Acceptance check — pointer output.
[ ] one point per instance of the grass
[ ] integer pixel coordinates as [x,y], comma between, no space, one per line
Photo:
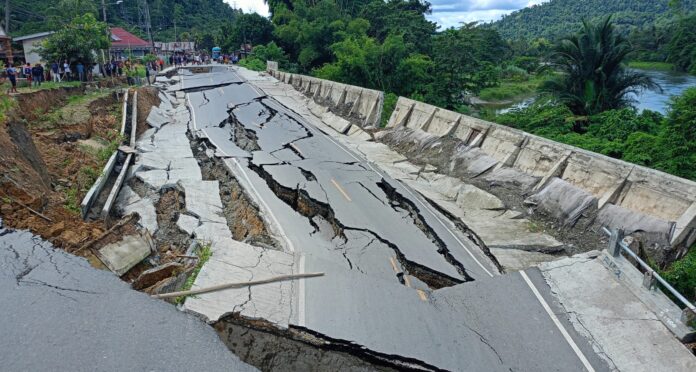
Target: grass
[511,89]
[44,85]
[203,254]
[647,65]
[6,103]
[71,202]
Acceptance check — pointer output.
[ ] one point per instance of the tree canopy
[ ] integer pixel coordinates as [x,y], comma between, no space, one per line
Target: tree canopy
[77,41]
[593,77]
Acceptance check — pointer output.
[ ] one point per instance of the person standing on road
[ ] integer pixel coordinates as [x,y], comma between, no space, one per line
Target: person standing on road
[26,71]
[12,75]
[55,72]
[81,71]
[147,72]
[66,70]
[37,73]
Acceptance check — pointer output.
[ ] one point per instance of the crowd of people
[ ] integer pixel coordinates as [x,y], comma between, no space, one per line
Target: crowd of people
[135,71]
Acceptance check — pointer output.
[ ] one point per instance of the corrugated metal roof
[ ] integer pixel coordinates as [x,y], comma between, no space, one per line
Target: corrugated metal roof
[33,36]
[125,39]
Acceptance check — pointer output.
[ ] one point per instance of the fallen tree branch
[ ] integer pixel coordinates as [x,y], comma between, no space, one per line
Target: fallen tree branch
[220,287]
[28,208]
[120,224]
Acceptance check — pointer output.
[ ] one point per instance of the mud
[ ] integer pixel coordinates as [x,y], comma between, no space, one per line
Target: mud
[147,99]
[295,349]
[169,239]
[242,214]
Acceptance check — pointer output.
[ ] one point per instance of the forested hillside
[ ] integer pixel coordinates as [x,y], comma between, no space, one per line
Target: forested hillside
[558,18]
[29,16]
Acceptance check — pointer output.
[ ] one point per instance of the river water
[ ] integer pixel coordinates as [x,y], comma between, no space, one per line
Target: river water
[672,83]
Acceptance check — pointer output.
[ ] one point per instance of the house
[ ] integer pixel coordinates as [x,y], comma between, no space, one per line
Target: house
[30,44]
[124,44]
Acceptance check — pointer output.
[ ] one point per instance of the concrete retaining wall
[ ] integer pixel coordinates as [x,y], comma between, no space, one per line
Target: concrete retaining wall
[360,106]
[641,190]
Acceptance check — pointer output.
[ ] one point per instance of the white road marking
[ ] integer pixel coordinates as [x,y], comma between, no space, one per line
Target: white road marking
[419,202]
[558,324]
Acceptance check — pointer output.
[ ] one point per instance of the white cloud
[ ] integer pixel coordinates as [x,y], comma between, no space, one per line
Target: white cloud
[250,6]
[451,13]
[447,13]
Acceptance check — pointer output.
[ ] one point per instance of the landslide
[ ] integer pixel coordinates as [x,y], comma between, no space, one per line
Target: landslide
[53,145]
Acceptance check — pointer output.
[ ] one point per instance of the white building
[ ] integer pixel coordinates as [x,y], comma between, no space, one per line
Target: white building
[30,44]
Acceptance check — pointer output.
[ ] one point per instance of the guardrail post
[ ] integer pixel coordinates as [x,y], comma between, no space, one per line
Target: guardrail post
[649,280]
[614,239]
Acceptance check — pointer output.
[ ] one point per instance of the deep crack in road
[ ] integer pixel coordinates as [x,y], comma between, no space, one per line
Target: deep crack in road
[403,285]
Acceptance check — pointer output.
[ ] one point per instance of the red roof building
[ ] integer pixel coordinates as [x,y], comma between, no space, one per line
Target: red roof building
[123,41]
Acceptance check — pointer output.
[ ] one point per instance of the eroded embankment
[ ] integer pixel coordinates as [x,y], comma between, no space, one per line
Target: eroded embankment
[52,148]
[450,156]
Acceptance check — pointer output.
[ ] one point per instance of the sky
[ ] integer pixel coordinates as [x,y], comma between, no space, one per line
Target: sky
[447,13]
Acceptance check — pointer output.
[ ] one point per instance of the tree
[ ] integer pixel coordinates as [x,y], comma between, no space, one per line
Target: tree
[247,28]
[679,137]
[77,41]
[682,47]
[593,77]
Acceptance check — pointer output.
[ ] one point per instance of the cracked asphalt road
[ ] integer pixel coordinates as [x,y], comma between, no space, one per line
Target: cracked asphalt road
[60,314]
[402,283]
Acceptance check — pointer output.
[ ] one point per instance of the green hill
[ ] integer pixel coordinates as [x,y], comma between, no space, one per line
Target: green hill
[30,16]
[557,18]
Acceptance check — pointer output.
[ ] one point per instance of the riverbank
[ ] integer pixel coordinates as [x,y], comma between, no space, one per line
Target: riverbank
[510,90]
[650,65]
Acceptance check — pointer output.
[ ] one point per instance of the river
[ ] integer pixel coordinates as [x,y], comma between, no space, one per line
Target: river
[672,83]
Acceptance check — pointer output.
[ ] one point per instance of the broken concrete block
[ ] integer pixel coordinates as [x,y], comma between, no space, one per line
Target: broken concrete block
[150,277]
[187,223]
[336,122]
[157,118]
[121,256]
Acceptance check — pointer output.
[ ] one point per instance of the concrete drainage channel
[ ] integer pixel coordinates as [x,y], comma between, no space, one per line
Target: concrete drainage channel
[100,198]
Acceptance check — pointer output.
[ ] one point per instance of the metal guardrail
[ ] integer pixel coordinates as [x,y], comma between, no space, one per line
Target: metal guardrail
[650,277]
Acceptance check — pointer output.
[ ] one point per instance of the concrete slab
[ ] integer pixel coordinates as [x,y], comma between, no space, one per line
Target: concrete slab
[187,223]
[626,333]
[234,261]
[128,202]
[121,256]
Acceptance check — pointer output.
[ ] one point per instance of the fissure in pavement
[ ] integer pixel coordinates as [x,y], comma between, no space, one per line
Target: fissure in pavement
[242,214]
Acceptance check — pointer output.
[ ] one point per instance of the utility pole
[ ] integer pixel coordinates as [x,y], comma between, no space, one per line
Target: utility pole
[104,9]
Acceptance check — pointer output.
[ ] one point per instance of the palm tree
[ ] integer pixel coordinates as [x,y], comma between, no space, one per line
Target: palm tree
[593,77]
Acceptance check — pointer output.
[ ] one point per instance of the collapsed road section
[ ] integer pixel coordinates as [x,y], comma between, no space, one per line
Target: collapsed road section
[61,314]
[403,287]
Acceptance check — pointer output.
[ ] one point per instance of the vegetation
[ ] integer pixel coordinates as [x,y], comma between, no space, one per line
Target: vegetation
[557,18]
[651,65]
[511,88]
[204,253]
[197,18]
[593,77]
[682,275]
[666,143]
[76,41]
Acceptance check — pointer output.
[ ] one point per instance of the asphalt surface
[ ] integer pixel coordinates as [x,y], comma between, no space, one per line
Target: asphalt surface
[401,282]
[60,314]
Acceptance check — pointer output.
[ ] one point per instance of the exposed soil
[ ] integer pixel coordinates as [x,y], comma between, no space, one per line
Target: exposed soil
[242,214]
[295,349]
[50,156]
[147,99]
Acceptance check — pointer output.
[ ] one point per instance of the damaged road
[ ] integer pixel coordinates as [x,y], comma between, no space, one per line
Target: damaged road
[61,314]
[403,287]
